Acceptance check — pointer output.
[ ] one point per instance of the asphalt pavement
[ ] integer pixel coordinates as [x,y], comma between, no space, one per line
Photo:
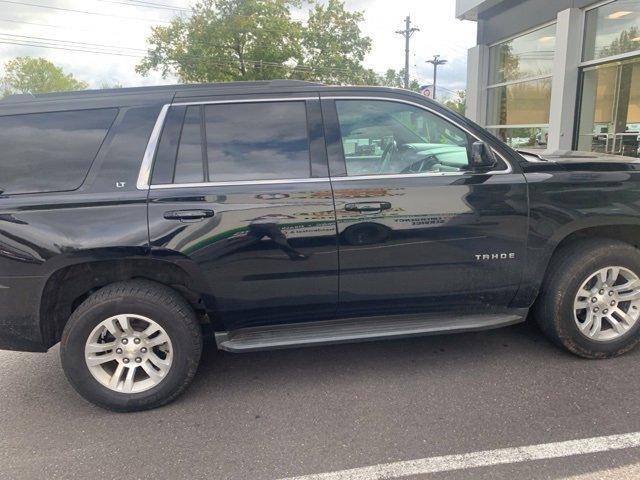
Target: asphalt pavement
[294,413]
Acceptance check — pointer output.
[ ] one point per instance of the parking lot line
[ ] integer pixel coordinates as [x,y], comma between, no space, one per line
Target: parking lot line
[482,459]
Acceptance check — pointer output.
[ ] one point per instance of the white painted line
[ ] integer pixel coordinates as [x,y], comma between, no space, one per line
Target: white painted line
[482,459]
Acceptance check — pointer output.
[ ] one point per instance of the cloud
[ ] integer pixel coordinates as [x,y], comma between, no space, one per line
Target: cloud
[127,28]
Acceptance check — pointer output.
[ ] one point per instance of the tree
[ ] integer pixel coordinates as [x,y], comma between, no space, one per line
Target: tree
[37,75]
[226,40]
[395,78]
[626,42]
[457,103]
[334,47]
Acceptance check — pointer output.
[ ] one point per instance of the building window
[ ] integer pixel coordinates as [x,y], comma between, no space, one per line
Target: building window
[610,108]
[612,29]
[519,94]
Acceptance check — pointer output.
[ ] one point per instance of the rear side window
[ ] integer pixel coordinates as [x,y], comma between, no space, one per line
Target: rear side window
[50,152]
[257,141]
[234,142]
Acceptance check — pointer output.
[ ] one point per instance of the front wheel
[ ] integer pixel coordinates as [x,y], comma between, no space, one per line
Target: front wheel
[131,346]
[590,302]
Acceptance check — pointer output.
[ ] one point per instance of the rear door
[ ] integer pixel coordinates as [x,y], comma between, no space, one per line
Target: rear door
[418,230]
[241,188]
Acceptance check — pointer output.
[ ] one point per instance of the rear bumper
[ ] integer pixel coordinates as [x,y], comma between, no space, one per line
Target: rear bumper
[19,314]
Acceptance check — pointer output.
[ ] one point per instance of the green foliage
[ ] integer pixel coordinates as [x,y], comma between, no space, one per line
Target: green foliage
[110,86]
[457,103]
[394,78]
[333,45]
[225,40]
[37,75]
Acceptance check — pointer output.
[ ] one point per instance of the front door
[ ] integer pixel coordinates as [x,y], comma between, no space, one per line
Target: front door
[240,190]
[418,230]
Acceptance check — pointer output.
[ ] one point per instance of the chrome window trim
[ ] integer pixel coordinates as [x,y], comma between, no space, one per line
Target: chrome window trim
[239,183]
[509,168]
[144,176]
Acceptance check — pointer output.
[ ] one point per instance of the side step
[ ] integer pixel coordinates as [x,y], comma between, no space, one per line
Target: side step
[359,330]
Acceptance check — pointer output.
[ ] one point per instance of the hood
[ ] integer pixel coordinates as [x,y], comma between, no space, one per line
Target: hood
[572,156]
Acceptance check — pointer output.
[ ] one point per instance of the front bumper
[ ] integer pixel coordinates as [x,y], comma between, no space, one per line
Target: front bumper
[19,314]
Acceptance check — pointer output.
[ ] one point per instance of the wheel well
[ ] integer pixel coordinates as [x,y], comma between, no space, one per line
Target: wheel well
[625,233]
[68,287]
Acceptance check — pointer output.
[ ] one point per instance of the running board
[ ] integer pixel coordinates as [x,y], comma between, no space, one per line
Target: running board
[359,330]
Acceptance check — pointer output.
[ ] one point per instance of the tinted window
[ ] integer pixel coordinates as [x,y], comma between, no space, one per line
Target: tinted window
[257,141]
[165,161]
[189,162]
[46,152]
[382,138]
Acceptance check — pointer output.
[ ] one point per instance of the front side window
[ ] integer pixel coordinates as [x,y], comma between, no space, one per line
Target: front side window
[519,92]
[382,138]
[50,152]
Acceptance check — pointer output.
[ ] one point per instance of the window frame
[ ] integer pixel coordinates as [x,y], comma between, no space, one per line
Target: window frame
[583,40]
[335,147]
[315,134]
[533,78]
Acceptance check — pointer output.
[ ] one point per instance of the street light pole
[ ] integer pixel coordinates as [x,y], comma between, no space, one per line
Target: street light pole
[435,62]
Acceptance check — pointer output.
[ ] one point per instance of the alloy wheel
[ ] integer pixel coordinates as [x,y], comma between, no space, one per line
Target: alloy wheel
[607,304]
[129,353]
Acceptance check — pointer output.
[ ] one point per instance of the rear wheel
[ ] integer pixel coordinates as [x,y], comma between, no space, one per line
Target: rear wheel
[590,302]
[131,346]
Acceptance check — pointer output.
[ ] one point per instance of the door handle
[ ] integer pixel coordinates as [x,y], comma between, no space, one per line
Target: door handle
[188,215]
[367,206]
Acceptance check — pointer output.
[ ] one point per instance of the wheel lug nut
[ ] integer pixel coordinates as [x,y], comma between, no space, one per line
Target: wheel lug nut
[594,300]
[613,302]
[125,360]
[601,292]
[605,311]
[596,309]
[119,351]
[136,341]
[143,350]
[611,293]
[138,359]
[125,341]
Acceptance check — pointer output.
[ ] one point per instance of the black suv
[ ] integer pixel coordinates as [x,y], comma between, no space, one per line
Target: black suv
[136,222]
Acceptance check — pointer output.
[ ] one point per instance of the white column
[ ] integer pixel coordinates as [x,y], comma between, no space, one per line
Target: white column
[564,88]
[477,76]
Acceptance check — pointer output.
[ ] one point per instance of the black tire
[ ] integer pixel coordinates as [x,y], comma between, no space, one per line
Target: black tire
[570,267]
[162,304]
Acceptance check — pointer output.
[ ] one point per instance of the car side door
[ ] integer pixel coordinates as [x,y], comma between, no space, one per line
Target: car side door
[240,189]
[419,230]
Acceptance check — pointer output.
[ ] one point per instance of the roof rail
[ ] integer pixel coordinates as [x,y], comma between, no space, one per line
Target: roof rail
[18,97]
[293,83]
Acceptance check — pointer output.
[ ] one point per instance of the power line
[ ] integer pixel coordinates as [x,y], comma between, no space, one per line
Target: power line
[54,40]
[158,6]
[86,12]
[80,47]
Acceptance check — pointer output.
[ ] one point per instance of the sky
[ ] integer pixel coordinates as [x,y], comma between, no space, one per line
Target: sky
[117,27]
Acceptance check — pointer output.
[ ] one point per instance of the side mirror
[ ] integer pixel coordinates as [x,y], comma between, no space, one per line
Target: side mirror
[482,157]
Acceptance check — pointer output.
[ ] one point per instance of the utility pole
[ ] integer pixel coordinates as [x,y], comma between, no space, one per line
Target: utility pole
[435,62]
[407,33]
